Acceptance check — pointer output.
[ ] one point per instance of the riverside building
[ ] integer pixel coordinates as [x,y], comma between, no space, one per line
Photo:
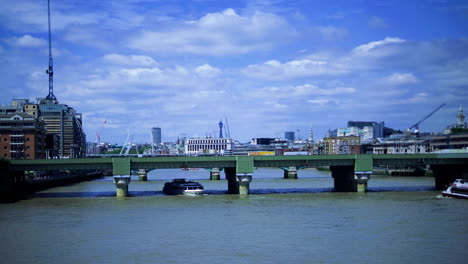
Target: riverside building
[342,145]
[64,135]
[208,146]
[65,124]
[22,136]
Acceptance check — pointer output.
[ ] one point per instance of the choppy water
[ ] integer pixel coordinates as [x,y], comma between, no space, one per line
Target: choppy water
[400,220]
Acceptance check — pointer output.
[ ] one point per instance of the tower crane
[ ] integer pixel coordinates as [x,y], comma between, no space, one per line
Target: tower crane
[50,70]
[416,126]
[98,133]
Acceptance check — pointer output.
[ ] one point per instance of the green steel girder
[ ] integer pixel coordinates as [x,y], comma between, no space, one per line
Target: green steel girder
[61,164]
[183,162]
[363,163]
[304,161]
[120,166]
[243,164]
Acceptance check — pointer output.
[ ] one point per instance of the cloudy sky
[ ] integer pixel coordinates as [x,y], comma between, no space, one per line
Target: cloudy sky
[267,66]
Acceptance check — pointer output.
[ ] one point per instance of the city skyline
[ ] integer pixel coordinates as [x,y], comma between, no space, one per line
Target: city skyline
[265,66]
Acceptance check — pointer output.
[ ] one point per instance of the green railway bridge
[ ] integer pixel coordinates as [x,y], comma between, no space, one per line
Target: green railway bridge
[350,172]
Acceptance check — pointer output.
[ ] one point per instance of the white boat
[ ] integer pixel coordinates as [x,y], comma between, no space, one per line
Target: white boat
[458,189]
[182,186]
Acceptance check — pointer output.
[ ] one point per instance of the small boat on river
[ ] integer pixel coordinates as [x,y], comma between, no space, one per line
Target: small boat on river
[182,186]
[458,189]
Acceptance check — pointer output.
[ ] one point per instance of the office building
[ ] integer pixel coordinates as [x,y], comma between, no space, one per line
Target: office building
[63,124]
[289,136]
[156,135]
[208,146]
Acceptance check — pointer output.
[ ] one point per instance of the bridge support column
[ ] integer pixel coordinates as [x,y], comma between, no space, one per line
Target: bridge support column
[142,174]
[344,178]
[121,183]
[290,172]
[215,174]
[233,186]
[361,178]
[444,175]
[244,179]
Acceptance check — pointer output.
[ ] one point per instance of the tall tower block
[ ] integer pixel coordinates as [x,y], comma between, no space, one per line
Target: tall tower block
[156,135]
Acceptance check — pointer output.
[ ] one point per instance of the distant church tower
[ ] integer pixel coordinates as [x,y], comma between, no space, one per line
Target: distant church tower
[460,117]
[461,124]
[220,129]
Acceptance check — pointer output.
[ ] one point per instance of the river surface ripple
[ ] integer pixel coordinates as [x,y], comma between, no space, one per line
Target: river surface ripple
[400,220]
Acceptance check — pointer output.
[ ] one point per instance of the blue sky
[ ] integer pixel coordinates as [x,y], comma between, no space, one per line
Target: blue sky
[266,66]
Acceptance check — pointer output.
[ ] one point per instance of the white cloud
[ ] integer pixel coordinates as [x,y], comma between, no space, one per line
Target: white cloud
[155,80]
[27,41]
[375,47]
[308,89]
[400,78]
[364,57]
[299,91]
[222,33]
[320,102]
[130,60]
[276,105]
[207,71]
[275,70]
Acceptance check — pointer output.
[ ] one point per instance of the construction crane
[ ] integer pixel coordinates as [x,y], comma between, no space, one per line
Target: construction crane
[98,133]
[416,126]
[50,70]
[226,129]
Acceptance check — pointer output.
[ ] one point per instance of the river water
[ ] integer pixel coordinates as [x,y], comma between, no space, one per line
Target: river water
[400,220]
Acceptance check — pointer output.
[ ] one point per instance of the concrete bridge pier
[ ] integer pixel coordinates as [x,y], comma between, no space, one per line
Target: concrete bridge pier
[444,175]
[121,183]
[361,178]
[233,186]
[243,180]
[348,180]
[215,174]
[143,174]
[344,178]
[290,172]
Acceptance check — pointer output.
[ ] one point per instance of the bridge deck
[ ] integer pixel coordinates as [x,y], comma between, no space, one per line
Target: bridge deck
[244,164]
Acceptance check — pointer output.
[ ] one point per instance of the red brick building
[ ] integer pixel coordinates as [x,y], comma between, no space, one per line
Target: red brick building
[22,136]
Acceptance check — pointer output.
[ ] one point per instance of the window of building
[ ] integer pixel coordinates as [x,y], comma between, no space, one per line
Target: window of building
[27,139]
[5,147]
[5,139]
[17,140]
[27,147]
